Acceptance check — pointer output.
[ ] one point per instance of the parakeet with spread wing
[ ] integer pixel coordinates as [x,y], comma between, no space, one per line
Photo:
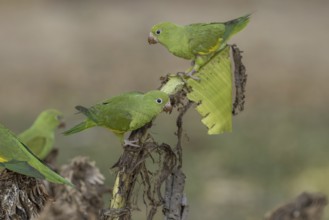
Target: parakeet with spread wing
[17,157]
[196,42]
[122,113]
[40,137]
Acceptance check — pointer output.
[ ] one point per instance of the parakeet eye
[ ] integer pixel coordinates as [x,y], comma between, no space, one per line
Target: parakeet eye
[158,32]
[158,100]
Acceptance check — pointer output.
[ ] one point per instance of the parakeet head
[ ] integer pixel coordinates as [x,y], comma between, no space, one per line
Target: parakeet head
[162,32]
[159,101]
[50,119]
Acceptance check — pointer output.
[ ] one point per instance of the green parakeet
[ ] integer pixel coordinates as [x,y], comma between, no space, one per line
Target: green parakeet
[40,137]
[122,113]
[15,156]
[196,42]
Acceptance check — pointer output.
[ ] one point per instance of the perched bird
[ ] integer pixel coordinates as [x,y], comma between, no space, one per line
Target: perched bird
[40,137]
[17,157]
[196,42]
[122,113]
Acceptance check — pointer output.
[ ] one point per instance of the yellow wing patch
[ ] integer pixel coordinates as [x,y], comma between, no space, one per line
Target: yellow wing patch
[214,48]
[3,160]
[116,131]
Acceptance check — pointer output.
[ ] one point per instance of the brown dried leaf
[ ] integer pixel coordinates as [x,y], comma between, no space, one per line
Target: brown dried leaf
[21,197]
[307,206]
[83,202]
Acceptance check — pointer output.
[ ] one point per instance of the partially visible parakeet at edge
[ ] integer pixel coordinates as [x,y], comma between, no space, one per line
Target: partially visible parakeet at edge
[122,113]
[197,42]
[17,157]
[40,137]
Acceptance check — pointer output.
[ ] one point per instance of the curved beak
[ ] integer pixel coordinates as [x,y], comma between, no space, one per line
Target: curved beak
[62,123]
[168,107]
[152,39]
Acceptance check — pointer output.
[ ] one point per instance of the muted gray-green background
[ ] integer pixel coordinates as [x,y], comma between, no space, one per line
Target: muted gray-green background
[62,53]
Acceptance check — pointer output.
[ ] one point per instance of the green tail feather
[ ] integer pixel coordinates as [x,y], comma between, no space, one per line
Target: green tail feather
[36,169]
[83,110]
[80,127]
[88,123]
[49,174]
[234,26]
[24,168]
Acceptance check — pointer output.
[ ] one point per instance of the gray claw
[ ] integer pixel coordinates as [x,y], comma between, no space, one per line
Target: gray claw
[130,143]
[190,74]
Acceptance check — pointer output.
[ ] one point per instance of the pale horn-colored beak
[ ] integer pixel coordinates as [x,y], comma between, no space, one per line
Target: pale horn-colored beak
[152,39]
[62,123]
[168,107]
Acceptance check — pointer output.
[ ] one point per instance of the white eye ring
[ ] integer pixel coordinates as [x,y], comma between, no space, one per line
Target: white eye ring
[158,100]
[158,32]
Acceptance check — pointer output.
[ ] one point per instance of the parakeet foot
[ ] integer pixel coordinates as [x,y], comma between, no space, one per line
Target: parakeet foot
[182,76]
[130,143]
[185,75]
[190,74]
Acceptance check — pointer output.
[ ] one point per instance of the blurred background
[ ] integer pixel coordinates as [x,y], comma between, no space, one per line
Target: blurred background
[57,54]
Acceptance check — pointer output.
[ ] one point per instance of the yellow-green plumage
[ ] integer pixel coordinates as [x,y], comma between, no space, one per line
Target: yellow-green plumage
[122,113]
[40,137]
[197,42]
[16,157]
